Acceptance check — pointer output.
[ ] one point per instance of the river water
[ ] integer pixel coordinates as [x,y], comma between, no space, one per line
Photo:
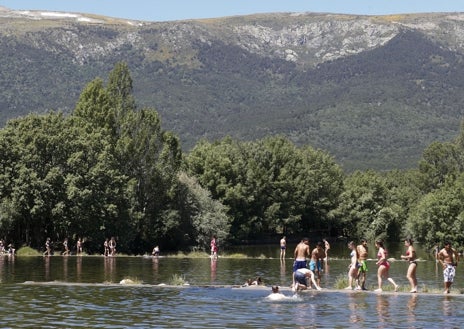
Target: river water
[85,292]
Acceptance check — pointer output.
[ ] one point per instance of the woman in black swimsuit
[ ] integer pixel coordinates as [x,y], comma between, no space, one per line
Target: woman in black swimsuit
[410,256]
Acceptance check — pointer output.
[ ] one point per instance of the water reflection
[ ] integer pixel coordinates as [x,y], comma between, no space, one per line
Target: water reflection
[155,263]
[447,306]
[382,307]
[65,268]
[282,270]
[412,304]
[304,314]
[47,268]
[110,269]
[86,304]
[326,266]
[79,268]
[355,306]
[213,269]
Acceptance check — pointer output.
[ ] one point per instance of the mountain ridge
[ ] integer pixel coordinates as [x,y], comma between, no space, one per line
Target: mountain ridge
[374,91]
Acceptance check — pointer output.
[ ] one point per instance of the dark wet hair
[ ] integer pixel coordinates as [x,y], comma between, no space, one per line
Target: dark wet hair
[275,289]
[409,240]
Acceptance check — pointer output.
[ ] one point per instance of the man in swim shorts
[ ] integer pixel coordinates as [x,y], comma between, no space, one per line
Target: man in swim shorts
[283,246]
[301,252]
[362,270]
[448,258]
[315,265]
[303,277]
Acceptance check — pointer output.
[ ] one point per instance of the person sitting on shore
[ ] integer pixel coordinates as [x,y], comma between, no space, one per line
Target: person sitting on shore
[257,282]
[247,283]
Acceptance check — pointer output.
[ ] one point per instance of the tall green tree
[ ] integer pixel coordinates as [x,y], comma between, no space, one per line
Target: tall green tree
[439,215]
[440,161]
[365,209]
[269,185]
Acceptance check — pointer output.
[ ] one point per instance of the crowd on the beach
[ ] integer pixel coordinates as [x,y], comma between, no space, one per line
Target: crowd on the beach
[307,275]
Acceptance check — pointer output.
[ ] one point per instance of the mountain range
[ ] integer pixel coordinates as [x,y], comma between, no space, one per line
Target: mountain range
[374,91]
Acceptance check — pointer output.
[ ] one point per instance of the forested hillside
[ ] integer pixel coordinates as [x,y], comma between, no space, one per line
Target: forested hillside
[372,91]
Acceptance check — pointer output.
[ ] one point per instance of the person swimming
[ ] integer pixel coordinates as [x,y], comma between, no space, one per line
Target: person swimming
[276,294]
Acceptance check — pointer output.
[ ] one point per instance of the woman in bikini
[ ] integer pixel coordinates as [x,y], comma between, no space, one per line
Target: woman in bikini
[410,256]
[384,266]
[353,267]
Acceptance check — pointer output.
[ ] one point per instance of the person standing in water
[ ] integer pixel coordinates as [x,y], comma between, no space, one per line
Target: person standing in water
[353,267]
[79,246]
[48,248]
[384,266]
[363,253]
[448,258]
[106,247]
[283,247]
[301,252]
[327,248]
[410,256]
[65,247]
[214,247]
[315,265]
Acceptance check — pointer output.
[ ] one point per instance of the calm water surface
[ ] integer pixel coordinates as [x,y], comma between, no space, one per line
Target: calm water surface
[84,292]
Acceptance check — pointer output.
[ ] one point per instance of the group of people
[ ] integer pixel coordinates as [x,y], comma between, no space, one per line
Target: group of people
[357,269]
[305,275]
[109,247]
[66,250]
[8,250]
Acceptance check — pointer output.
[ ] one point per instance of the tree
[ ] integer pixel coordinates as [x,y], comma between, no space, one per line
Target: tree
[269,185]
[440,161]
[439,215]
[364,209]
[203,215]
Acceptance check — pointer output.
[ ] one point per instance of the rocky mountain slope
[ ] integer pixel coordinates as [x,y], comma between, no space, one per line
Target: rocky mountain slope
[374,91]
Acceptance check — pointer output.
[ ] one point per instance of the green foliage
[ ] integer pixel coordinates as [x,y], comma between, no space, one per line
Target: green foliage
[439,216]
[366,209]
[27,251]
[177,280]
[269,186]
[109,169]
[373,109]
[205,216]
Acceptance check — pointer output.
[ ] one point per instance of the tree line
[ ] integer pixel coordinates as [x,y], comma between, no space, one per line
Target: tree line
[109,169]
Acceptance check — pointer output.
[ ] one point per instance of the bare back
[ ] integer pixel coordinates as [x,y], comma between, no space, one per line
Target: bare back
[302,250]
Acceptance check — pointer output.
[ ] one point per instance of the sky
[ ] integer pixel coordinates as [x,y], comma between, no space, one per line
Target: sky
[168,10]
